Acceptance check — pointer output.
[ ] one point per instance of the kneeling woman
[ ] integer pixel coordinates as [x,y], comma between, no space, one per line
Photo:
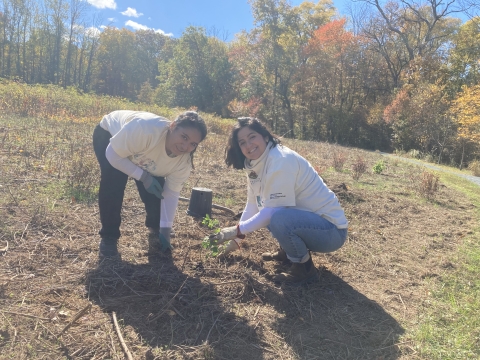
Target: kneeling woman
[286,195]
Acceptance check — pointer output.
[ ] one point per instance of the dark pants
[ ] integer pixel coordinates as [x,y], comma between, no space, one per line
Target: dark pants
[112,189]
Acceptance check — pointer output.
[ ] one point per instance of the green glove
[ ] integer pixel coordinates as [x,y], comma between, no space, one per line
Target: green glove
[164,236]
[151,184]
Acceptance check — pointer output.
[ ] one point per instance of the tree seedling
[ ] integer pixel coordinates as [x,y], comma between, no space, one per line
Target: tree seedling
[209,222]
[211,246]
[208,244]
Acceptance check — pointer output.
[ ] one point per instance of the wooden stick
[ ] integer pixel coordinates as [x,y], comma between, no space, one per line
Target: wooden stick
[5,249]
[209,331]
[26,315]
[227,282]
[76,317]
[168,303]
[124,346]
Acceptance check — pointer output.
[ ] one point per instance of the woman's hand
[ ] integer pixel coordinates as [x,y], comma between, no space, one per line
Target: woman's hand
[225,234]
[232,246]
[151,184]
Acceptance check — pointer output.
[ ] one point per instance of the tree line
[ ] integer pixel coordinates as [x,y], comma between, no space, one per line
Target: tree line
[396,76]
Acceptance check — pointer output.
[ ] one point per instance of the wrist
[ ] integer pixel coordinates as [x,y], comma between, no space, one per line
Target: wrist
[144,176]
[239,234]
[237,242]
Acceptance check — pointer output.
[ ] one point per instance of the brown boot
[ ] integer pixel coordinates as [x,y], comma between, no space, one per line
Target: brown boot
[279,255]
[298,274]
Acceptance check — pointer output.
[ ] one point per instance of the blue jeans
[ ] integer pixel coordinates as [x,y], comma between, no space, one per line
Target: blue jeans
[299,231]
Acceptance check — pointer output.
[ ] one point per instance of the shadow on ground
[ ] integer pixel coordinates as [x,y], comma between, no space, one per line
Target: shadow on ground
[328,319]
[170,311]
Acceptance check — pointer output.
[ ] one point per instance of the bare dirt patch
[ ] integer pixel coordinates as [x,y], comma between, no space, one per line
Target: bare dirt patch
[188,305]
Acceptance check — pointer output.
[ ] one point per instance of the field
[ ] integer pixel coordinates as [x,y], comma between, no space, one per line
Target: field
[58,301]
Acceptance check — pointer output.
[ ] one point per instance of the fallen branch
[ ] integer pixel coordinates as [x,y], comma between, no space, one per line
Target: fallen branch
[120,337]
[168,303]
[26,315]
[226,282]
[75,318]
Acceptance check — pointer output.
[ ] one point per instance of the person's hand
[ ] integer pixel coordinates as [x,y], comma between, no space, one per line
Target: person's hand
[164,236]
[232,246]
[151,184]
[224,234]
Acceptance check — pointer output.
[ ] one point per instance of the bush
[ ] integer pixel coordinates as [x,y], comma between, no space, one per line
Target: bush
[474,167]
[426,184]
[415,154]
[339,159]
[379,167]
[359,167]
[428,158]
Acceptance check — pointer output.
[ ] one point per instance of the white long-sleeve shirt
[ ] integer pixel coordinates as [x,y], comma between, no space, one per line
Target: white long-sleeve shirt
[282,178]
[140,138]
[115,122]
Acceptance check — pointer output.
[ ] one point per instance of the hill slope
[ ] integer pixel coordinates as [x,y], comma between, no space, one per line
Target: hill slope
[191,306]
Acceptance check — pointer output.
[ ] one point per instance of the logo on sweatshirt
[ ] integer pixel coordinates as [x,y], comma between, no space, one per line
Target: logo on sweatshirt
[253,175]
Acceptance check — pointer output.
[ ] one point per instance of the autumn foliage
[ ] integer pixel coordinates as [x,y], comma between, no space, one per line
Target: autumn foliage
[466,111]
[331,38]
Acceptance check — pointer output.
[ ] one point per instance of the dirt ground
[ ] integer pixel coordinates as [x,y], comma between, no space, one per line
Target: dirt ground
[58,300]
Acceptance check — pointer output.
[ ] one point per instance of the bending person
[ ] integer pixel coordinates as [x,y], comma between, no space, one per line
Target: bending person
[154,151]
[286,195]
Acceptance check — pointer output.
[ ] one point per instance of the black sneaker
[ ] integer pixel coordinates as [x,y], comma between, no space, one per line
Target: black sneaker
[108,247]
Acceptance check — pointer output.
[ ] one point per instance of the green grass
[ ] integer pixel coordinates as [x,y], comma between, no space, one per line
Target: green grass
[449,327]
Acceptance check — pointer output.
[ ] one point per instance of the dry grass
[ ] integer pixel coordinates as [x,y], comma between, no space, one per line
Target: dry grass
[189,306]
[359,167]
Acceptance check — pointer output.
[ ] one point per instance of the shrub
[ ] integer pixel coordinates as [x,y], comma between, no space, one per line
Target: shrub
[428,158]
[339,159]
[415,154]
[426,184]
[359,167]
[379,167]
[474,167]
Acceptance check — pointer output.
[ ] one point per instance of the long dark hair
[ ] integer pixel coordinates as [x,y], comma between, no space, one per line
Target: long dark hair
[191,119]
[233,154]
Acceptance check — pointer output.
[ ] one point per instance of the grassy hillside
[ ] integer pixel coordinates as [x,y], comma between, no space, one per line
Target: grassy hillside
[404,286]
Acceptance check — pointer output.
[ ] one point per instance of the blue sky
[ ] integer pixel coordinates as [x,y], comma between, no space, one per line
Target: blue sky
[227,17]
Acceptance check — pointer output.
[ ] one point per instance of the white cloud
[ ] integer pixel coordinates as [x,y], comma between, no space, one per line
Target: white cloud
[136,26]
[131,13]
[93,31]
[112,19]
[163,32]
[103,4]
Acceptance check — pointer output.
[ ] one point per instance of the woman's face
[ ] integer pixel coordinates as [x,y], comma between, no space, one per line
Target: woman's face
[182,140]
[251,143]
